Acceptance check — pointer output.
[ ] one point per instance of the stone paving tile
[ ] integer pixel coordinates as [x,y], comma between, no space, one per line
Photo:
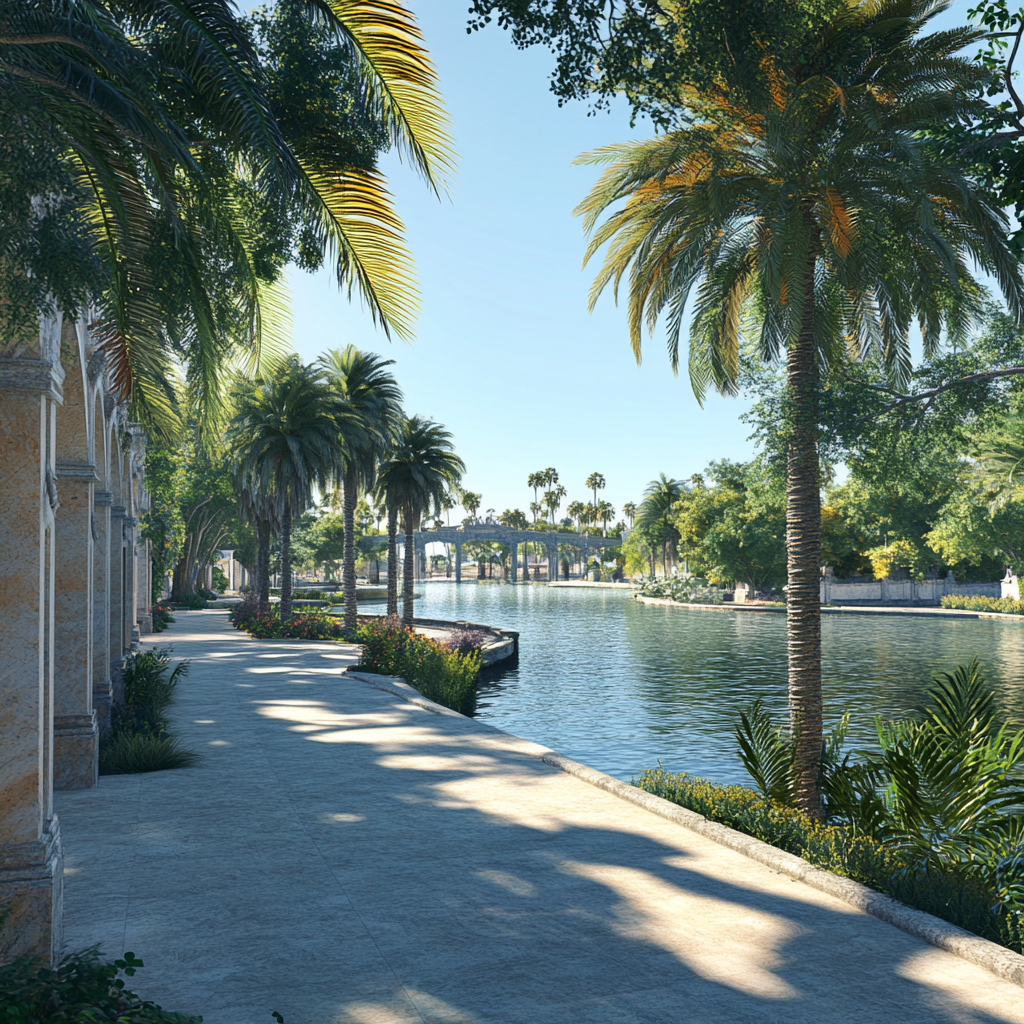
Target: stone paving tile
[346,858]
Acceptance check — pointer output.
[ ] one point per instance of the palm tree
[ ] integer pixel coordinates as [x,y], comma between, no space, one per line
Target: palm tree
[629,509]
[815,202]
[655,516]
[553,499]
[371,402]
[536,481]
[284,440]
[420,469]
[605,511]
[471,502]
[595,483]
[171,190]
[577,510]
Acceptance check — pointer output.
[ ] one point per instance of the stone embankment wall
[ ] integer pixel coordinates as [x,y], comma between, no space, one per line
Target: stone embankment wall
[74,594]
[909,592]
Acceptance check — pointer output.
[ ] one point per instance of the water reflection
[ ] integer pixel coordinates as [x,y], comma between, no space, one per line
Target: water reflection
[620,686]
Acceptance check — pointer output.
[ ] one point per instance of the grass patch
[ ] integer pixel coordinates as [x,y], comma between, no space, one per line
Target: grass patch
[442,674]
[138,740]
[1007,605]
[135,753]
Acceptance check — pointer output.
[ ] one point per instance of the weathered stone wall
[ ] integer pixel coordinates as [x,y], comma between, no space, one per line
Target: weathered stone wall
[909,592]
[71,567]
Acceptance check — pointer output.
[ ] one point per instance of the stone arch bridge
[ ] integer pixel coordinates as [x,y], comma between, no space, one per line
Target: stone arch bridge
[511,538]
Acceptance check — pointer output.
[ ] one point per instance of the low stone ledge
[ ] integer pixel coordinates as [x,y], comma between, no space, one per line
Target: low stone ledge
[400,688]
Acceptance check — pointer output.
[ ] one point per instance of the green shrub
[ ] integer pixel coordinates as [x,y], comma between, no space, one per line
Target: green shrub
[311,624]
[83,988]
[137,740]
[685,589]
[445,676]
[957,897]
[984,604]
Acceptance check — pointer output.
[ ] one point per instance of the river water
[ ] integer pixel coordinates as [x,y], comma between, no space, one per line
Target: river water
[621,685]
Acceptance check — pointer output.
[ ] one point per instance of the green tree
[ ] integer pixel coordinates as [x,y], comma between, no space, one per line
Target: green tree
[284,439]
[370,412]
[421,468]
[809,196]
[629,509]
[471,502]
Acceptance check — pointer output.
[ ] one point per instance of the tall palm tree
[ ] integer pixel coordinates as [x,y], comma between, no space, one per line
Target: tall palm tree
[371,402]
[168,135]
[284,437]
[595,483]
[815,203]
[605,511]
[536,481]
[421,468]
[655,516]
[629,509]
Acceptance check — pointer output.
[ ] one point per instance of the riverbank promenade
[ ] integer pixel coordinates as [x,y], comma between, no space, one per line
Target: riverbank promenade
[341,856]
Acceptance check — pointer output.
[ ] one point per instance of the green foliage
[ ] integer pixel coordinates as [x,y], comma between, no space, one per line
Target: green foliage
[1006,605]
[442,674]
[138,740]
[82,989]
[964,900]
[685,589]
[162,618]
[731,523]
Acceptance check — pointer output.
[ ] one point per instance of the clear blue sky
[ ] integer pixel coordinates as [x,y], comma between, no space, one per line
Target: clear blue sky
[506,355]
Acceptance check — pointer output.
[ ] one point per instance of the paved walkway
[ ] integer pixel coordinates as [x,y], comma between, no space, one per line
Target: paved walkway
[342,856]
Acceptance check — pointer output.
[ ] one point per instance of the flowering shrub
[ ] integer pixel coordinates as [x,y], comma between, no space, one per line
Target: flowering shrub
[440,673]
[306,625]
[162,617]
[984,604]
[686,590]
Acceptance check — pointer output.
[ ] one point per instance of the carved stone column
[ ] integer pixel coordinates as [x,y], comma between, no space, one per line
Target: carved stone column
[76,733]
[458,561]
[31,862]
[102,693]
[514,546]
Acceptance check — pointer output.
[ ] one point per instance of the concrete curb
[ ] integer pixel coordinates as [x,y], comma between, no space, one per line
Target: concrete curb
[400,688]
[991,956]
[953,939]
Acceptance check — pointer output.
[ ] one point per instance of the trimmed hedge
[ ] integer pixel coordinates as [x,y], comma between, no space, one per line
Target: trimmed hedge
[984,604]
[838,848]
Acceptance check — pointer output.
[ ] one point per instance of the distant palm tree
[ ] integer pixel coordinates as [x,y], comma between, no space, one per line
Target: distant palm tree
[536,481]
[595,482]
[605,511]
[553,499]
[655,516]
[471,502]
[577,510]
[420,469]
[629,509]
[284,437]
[370,411]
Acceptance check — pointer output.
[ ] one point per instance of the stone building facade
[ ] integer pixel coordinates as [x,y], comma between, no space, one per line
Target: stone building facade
[74,593]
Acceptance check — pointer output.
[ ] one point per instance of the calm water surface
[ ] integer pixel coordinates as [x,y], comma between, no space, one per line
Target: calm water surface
[620,685]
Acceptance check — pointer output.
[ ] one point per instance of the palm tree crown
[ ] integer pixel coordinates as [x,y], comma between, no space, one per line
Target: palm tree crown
[284,435]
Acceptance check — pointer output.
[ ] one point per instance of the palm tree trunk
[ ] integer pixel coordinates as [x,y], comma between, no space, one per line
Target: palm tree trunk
[392,559]
[263,565]
[803,547]
[407,575]
[348,569]
[286,563]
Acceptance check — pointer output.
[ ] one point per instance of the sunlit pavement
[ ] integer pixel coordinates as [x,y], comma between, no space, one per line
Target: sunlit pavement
[341,856]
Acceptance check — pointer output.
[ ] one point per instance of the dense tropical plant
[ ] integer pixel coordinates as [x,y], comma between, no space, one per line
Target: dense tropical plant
[284,439]
[654,518]
[808,196]
[371,405]
[420,469]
